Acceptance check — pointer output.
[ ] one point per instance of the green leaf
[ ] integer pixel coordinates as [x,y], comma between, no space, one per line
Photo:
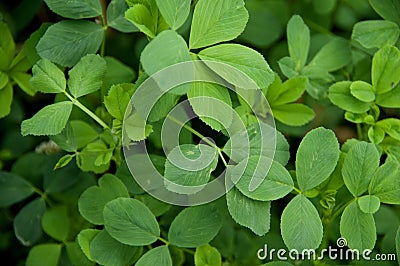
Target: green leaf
[105,250]
[84,238]
[287,65]
[389,99]
[13,189]
[293,114]
[50,120]
[27,223]
[385,183]
[244,59]
[87,76]
[157,256]
[250,213]
[76,255]
[298,36]
[273,183]
[358,228]
[156,206]
[316,158]
[259,144]
[91,203]
[67,41]
[375,33]
[23,81]
[75,9]
[212,103]
[55,222]
[369,203]
[290,91]
[130,222]
[6,97]
[391,126]
[3,79]
[206,256]
[340,95]
[216,21]
[332,56]
[195,164]
[362,90]
[117,72]
[195,226]
[63,161]
[116,17]
[388,9]
[359,167]
[142,18]
[47,77]
[175,12]
[136,128]
[385,72]
[118,99]
[301,226]
[83,133]
[44,255]
[7,46]
[167,49]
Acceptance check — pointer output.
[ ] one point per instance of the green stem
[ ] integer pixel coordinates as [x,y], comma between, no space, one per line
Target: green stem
[86,110]
[166,242]
[187,250]
[298,191]
[359,132]
[103,43]
[318,28]
[201,136]
[341,209]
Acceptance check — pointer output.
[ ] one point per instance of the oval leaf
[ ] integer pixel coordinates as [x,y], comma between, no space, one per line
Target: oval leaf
[157,256]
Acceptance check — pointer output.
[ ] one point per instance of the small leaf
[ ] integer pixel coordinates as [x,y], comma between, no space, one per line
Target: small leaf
[244,59]
[389,99]
[167,49]
[385,72]
[196,162]
[23,81]
[116,16]
[363,91]
[118,99]
[44,255]
[50,120]
[212,103]
[195,226]
[159,256]
[175,12]
[388,9]
[359,167]
[375,33]
[87,76]
[67,41]
[84,238]
[385,183]
[27,223]
[316,158]
[369,204]
[290,91]
[47,77]
[248,212]
[391,126]
[340,95]
[7,46]
[56,223]
[105,250]
[207,255]
[130,222]
[136,128]
[298,36]
[75,9]
[333,55]
[301,226]
[274,181]
[141,17]
[216,21]
[13,189]
[91,203]
[76,255]
[6,97]
[358,228]
[64,161]
[293,114]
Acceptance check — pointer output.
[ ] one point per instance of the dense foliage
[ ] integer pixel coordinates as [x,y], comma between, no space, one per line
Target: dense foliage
[329,69]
